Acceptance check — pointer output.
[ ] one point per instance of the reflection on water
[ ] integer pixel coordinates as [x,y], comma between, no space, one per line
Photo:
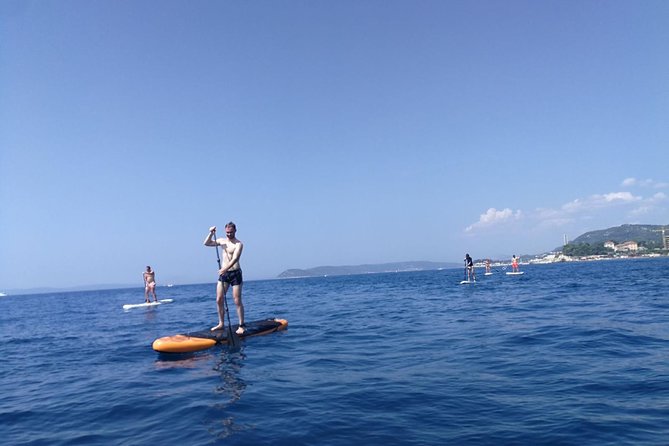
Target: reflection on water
[230,389]
[221,421]
[151,313]
[181,360]
[230,367]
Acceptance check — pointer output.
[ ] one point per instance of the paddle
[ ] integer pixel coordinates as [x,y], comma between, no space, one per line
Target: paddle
[233,339]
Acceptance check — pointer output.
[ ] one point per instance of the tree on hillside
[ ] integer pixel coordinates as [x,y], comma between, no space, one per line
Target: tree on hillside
[585,249]
[652,245]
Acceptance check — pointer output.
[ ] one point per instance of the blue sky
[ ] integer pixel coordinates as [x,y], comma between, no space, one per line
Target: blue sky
[331,132]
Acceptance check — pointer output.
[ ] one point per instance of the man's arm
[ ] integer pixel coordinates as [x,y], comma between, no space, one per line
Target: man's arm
[237,254]
[208,241]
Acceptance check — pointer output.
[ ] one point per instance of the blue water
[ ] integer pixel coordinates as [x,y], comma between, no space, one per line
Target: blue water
[571,354]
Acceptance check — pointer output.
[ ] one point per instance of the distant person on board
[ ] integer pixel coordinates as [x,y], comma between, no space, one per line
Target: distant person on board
[487,266]
[469,264]
[514,264]
[230,273]
[149,284]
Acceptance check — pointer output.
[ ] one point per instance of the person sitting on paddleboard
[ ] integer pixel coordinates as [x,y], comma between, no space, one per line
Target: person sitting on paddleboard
[514,264]
[149,284]
[230,273]
[469,264]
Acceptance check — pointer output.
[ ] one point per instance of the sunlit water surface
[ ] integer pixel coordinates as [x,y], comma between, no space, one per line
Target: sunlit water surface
[572,354]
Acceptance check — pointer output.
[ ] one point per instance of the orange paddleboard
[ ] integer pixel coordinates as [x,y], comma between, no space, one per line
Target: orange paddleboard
[182,344]
[202,340]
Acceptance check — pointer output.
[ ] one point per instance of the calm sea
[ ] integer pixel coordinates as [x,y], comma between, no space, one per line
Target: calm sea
[572,354]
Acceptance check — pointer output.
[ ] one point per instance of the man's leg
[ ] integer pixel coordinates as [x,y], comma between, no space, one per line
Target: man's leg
[237,296]
[221,289]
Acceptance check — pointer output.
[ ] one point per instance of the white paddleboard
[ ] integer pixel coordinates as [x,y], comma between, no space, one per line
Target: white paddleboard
[147,304]
[487,274]
[464,282]
[517,273]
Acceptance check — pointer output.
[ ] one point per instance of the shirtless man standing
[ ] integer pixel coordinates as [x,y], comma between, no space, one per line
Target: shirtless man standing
[229,274]
[149,284]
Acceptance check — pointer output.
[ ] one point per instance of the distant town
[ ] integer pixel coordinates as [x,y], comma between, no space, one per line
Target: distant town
[637,241]
[554,257]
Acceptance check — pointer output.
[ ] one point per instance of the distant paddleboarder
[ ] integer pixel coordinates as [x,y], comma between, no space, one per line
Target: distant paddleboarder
[230,273]
[469,265]
[514,264]
[487,266]
[149,284]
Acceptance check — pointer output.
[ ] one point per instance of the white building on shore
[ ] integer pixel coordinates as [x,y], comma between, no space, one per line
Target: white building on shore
[628,246]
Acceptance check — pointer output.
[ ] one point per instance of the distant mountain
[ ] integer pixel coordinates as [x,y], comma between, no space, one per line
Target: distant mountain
[320,271]
[618,234]
[45,290]
[623,233]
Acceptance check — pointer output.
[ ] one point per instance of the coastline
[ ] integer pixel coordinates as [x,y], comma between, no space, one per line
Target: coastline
[552,258]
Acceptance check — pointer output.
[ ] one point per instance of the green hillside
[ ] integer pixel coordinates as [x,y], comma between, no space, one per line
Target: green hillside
[650,234]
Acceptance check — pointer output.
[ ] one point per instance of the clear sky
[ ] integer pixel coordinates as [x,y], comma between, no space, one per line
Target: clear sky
[331,132]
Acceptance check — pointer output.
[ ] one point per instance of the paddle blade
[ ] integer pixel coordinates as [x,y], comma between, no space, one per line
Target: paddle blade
[233,340]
